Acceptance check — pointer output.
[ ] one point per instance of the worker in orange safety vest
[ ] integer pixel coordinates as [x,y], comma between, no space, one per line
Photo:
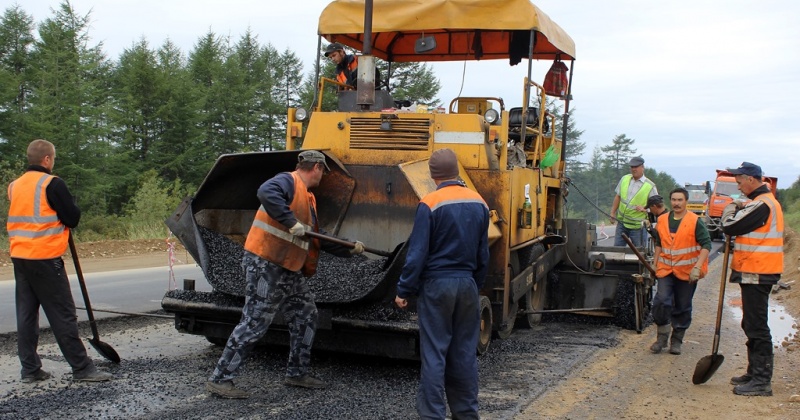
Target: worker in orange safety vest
[40,215]
[681,254]
[757,266]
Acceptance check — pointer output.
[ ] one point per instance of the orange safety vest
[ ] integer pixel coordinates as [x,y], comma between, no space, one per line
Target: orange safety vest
[271,240]
[34,230]
[679,251]
[342,74]
[761,251]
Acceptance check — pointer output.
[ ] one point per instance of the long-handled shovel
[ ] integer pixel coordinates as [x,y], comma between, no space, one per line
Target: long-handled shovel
[348,244]
[104,349]
[709,364]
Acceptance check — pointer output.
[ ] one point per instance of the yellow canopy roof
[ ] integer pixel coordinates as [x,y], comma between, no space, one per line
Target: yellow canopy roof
[464,29]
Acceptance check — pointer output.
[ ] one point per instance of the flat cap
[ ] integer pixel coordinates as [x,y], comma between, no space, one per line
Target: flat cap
[313,156]
[655,200]
[333,46]
[747,168]
[636,161]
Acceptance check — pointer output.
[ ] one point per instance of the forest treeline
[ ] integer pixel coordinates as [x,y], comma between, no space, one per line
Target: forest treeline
[137,133]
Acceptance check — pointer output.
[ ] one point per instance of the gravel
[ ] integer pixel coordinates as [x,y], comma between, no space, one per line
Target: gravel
[338,280]
[162,375]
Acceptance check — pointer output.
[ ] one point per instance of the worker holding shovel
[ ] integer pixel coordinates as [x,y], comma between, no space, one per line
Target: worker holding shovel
[757,265]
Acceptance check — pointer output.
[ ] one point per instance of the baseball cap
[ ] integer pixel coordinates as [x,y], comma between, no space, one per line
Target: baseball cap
[313,156]
[333,46]
[747,168]
[636,161]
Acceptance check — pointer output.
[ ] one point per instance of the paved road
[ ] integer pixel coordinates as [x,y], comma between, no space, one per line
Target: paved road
[138,290]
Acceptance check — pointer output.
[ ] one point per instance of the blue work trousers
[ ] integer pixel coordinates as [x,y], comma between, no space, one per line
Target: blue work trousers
[673,302]
[638,236]
[449,324]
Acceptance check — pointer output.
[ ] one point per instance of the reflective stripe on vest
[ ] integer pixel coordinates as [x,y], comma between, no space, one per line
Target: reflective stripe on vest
[270,240]
[34,230]
[631,218]
[679,251]
[761,251]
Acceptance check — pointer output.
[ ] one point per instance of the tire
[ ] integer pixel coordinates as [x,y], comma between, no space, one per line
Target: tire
[485,335]
[536,298]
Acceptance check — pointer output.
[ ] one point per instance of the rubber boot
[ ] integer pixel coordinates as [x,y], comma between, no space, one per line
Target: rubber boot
[676,341]
[741,380]
[661,339]
[761,384]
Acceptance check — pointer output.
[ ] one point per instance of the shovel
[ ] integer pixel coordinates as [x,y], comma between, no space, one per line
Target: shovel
[348,244]
[709,364]
[104,349]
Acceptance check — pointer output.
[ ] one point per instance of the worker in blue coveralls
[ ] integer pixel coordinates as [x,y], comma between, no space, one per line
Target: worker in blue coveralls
[445,267]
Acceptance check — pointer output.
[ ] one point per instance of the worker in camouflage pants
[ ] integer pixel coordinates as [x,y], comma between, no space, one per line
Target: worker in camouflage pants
[269,288]
[278,259]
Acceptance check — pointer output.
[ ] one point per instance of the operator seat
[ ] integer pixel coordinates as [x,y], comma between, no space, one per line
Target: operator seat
[515,124]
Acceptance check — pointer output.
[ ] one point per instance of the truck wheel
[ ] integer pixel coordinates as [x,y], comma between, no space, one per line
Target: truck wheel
[485,335]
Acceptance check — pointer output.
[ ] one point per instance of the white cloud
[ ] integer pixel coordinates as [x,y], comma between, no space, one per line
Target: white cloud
[700,84]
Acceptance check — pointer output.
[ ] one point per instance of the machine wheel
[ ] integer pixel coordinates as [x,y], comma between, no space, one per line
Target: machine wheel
[536,298]
[627,306]
[485,335]
[217,341]
[505,331]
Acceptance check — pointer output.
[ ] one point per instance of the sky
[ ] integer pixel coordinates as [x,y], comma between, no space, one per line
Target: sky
[698,84]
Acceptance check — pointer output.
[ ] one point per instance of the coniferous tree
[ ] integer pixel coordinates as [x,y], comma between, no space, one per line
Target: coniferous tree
[16,41]
[68,99]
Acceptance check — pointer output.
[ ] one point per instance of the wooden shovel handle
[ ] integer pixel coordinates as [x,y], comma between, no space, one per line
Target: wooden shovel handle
[347,244]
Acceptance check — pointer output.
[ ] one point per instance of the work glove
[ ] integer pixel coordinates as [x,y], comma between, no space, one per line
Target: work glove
[358,248]
[647,225]
[298,229]
[695,274]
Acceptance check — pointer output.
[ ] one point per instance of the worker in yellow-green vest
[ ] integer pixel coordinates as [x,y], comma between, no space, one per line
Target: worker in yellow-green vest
[628,210]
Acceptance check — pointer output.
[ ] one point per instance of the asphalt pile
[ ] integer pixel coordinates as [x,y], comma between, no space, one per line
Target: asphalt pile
[162,376]
[338,280]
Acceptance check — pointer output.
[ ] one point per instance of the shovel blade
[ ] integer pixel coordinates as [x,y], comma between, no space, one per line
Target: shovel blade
[105,350]
[706,367]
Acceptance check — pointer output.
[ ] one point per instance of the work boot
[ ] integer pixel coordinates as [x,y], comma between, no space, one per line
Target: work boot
[305,381]
[95,376]
[226,389]
[676,341]
[761,383]
[40,375]
[661,339]
[741,380]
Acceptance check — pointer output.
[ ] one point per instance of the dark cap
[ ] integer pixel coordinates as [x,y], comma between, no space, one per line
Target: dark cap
[747,168]
[655,200]
[636,161]
[333,46]
[313,156]
[443,164]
